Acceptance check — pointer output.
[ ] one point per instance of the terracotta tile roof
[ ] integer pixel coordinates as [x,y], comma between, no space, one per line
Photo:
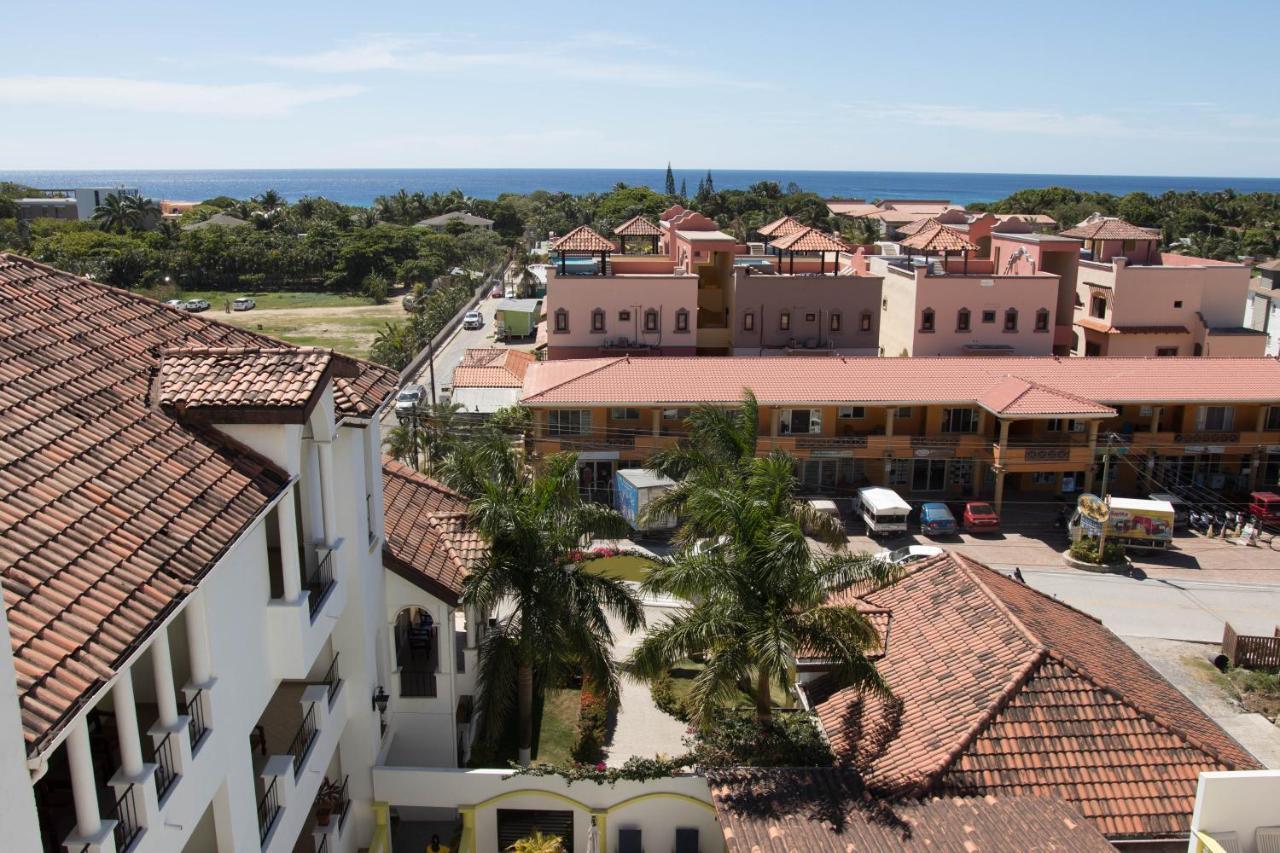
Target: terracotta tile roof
[913,227]
[810,240]
[637,226]
[853,209]
[781,227]
[110,509]
[1110,228]
[1099,325]
[492,368]
[1014,396]
[825,810]
[933,236]
[1001,689]
[583,239]
[428,539]
[903,381]
[246,382]
[1272,265]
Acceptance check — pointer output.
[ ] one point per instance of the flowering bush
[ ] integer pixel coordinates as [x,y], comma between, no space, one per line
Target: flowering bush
[636,769]
[593,723]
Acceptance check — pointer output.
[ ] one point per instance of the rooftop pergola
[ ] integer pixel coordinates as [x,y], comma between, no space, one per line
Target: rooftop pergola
[778,228]
[582,242]
[809,241]
[935,238]
[638,226]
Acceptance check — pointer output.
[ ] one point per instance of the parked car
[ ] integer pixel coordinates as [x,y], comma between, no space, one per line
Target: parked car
[908,554]
[936,520]
[196,305]
[244,303]
[176,303]
[472,320]
[410,400]
[497,291]
[980,517]
[1265,507]
[408,302]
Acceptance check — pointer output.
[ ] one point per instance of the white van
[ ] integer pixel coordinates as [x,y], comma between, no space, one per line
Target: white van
[883,510]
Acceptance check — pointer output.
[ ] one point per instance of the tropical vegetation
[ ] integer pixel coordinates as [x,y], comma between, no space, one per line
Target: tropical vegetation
[553,617]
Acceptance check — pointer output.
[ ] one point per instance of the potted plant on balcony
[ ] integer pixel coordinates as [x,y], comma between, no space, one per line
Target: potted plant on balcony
[328,801]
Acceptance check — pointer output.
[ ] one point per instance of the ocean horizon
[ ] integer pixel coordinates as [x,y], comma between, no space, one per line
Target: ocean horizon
[362,186]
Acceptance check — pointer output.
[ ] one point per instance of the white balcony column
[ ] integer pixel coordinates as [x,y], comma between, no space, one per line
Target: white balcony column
[162,670]
[327,500]
[290,568]
[126,712]
[197,614]
[311,500]
[84,790]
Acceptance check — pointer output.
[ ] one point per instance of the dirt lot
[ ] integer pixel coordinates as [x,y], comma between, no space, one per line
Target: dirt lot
[349,329]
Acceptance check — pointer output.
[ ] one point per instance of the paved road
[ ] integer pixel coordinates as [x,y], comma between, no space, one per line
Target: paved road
[1192,610]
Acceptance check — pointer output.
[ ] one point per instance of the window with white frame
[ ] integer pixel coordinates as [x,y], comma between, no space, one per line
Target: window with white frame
[959,420]
[569,421]
[800,421]
[562,320]
[682,320]
[1064,425]
[1217,418]
[852,413]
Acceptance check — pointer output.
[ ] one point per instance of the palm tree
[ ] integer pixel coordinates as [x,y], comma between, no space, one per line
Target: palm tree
[114,214]
[269,201]
[758,594]
[520,272]
[142,210]
[554,615]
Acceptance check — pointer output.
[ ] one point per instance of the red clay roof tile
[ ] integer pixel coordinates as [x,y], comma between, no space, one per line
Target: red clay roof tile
[583,239]
[428,539]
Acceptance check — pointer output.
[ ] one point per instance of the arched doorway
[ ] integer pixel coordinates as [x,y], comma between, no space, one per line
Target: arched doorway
[417,650]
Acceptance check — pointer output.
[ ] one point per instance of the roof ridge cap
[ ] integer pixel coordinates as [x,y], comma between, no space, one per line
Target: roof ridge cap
[1037,384]
[610,362]
[1155,717]
[405,472]
[1010,689]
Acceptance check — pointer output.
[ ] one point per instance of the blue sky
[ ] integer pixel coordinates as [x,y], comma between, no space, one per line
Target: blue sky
[1170,88]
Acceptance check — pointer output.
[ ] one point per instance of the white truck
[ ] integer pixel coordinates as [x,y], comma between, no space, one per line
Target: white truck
[883,510]
[633,489]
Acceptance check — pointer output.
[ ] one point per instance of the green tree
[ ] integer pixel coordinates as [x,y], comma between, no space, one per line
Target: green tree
[671,180]
[115,214]
[552,615]
[758,595]
[269,201]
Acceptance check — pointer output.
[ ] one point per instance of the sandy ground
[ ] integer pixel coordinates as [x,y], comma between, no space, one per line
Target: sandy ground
[349,327]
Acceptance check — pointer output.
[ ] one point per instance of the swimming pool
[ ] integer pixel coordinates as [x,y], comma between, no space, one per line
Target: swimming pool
[577,266]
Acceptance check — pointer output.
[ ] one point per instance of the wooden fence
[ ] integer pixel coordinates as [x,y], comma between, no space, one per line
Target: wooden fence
[1251,651]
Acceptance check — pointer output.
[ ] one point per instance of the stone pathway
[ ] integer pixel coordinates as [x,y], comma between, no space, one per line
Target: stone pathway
[642,729]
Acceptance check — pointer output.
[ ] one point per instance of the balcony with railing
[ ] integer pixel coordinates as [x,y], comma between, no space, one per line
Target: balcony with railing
[126,814]
[300,626]
[417,650]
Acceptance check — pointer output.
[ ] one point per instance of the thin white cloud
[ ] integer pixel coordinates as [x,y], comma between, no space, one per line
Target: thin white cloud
[118,93]
[1032,121]
[424,54]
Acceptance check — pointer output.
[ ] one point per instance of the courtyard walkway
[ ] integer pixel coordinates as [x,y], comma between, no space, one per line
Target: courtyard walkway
[642,729]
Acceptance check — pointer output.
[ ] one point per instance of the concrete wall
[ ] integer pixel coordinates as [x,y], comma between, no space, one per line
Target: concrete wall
[21,829]
[656,807]
[766,297]
[580,295]
[1236,802]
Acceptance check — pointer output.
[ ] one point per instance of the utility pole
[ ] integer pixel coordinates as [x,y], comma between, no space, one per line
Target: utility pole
[431,366]
[1102,493]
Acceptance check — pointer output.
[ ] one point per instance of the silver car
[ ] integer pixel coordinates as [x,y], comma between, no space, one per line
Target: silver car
[244,303]
[410,400]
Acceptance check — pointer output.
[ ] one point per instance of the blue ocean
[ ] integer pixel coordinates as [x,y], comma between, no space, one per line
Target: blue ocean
[362,186]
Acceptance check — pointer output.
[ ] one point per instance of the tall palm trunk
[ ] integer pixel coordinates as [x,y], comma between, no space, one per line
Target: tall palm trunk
[764,700]
[524,702]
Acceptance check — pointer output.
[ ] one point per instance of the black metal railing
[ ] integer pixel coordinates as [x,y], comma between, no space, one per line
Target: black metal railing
[319,582]
[344,802]
[166,765]
[417,683]
[127,828]
[196,726]
[368,514]
[268,809]
[324,844]
[460,651]
[333,679]
[303,739]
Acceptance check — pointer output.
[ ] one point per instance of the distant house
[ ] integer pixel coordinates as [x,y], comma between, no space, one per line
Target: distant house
[490,379]
[226,220]
[469,220]
[1263,309]
[77,203]
[170,209]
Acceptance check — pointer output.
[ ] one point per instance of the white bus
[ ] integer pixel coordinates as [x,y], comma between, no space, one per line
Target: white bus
[883,510]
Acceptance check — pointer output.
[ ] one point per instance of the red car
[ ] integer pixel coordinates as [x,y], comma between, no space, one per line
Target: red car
[980,517]
[1265,506]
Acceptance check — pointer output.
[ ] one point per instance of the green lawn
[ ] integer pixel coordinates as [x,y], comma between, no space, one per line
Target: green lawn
[350,334]
[266,299]
[684,672]
[555,728]
[627,567]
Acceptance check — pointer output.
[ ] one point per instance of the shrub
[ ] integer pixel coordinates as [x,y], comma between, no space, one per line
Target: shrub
[593,723]
[664,695]
[375,287]
[740,740]
[1086,549]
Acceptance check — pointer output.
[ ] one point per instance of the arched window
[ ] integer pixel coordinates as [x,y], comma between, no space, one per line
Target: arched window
[597,320]
[1011,320]
[651,320]
[417,652]
[562,320]
[962,320]
[682,320]
[748,321]
[1198,349]
[1042,320]
[926,320]
[865,323]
